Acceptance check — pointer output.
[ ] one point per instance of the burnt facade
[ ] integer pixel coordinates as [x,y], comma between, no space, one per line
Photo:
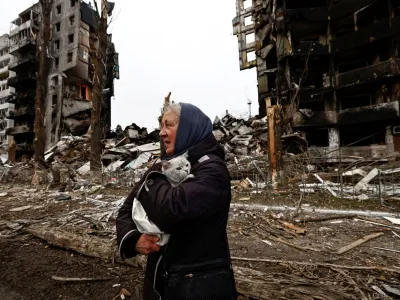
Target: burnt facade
[333,67]
[70,81]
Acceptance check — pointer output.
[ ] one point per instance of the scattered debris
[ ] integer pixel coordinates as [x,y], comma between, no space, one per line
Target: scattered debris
[359,242]
[75,279]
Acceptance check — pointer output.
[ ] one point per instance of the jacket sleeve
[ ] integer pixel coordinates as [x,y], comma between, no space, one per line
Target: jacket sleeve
[194,199]
[127,233]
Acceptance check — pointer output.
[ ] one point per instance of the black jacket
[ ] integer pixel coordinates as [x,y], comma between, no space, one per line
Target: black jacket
[195,214]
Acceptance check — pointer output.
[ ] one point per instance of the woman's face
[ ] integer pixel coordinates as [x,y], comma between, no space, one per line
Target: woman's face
[169,127]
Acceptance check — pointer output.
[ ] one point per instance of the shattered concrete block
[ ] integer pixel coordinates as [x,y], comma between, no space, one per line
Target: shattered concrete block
[114,166]
[142,159]
[242,140]
[85,169]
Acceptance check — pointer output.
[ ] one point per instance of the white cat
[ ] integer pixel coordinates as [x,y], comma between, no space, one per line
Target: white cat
[176,170]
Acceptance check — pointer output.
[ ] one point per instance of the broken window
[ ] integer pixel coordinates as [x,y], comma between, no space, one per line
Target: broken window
[54,100]
[55,81]
[58,9]
[69,57]
[58,27]
[247,4]
[57,45]
[83,92]
[250,38]
[56,62]
[251,56]
[248,21]
[296,4]
[313,105]
[71,20]
[318,137]
[365,135]
[355,101]
[73,2]
[70,38]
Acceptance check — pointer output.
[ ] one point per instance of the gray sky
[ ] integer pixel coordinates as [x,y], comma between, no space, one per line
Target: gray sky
[179,46]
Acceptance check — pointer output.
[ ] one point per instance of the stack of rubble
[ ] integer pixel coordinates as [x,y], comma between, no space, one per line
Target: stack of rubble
[241,137]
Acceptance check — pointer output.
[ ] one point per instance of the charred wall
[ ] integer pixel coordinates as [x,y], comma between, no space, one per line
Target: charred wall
[331,64]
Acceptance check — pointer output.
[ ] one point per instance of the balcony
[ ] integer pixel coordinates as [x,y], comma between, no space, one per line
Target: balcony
[28,61]
[371,113]
[22,43]
[23,129]
[315,119]
[21,112]
[25,79]
[6,93]
[4,73]
[386,69]
[26,97]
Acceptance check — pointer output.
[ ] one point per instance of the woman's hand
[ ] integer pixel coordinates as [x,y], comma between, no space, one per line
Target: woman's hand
[146,244]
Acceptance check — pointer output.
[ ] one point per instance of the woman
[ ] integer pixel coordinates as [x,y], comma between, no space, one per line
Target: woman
[195,264]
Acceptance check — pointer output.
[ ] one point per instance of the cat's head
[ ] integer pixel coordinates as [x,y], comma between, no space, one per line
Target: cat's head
[176,169]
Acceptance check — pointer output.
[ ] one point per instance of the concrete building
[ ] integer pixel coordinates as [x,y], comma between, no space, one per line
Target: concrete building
[5,92]
[333,66]
[68,103]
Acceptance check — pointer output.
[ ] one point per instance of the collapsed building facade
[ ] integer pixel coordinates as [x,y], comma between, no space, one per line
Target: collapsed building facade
[70,81]
[331,65]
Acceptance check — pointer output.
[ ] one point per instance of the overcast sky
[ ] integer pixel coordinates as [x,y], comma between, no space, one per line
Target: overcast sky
[179,46]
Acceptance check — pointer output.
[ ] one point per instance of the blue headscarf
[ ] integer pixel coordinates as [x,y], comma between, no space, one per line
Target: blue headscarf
[194,126]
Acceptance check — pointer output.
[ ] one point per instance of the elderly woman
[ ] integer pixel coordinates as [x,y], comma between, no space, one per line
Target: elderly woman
[195,264]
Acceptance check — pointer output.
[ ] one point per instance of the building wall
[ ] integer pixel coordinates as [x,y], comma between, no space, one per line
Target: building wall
[349,94]
[5,92]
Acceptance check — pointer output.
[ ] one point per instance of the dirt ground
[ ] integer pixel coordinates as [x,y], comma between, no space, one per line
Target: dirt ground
[299,264]
[27,265]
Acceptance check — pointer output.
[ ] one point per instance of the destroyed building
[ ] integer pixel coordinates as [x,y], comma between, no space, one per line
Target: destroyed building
[5,92]
[333,66]
[70,81]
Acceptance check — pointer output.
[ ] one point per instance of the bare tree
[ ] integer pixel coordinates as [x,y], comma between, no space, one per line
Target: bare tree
[42,86]
[98,60]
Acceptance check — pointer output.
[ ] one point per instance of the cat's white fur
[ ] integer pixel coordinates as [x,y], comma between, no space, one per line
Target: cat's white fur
[176,170]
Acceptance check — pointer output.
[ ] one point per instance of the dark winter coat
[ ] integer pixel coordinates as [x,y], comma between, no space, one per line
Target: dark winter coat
[195,264]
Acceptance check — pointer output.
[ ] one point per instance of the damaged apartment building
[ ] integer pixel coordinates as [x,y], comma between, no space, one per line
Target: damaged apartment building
[68,102]
[333,67]
[5,93]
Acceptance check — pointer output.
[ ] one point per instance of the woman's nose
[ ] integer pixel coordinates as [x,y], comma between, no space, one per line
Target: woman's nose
[163,134]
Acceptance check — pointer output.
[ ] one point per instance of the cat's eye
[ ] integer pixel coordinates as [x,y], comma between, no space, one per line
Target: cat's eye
[187,165]
[179,168]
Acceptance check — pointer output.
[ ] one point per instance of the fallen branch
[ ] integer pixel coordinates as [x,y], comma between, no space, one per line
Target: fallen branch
[352,282]
[385,249]
[298,205]
[328,218]
[293,245]
[85,244]
[325,265]
[359,242]
[73,279]
[376,222]
[291,226]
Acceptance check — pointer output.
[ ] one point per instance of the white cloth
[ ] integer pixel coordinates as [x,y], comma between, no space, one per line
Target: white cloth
[145,225]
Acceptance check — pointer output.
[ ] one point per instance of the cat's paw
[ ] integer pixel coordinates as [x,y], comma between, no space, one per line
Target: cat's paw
[190,176]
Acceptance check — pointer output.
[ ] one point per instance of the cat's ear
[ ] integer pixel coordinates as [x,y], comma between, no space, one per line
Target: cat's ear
[165,164]
[186,155]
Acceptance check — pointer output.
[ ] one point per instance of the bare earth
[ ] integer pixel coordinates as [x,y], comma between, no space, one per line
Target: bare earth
[300,265]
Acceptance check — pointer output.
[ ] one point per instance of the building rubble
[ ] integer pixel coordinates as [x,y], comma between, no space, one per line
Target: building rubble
[128,154]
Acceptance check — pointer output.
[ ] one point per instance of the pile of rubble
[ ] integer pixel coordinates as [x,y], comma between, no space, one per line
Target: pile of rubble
[250,137]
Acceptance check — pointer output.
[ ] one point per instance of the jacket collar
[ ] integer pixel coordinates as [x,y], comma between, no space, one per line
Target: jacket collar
[207,146]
